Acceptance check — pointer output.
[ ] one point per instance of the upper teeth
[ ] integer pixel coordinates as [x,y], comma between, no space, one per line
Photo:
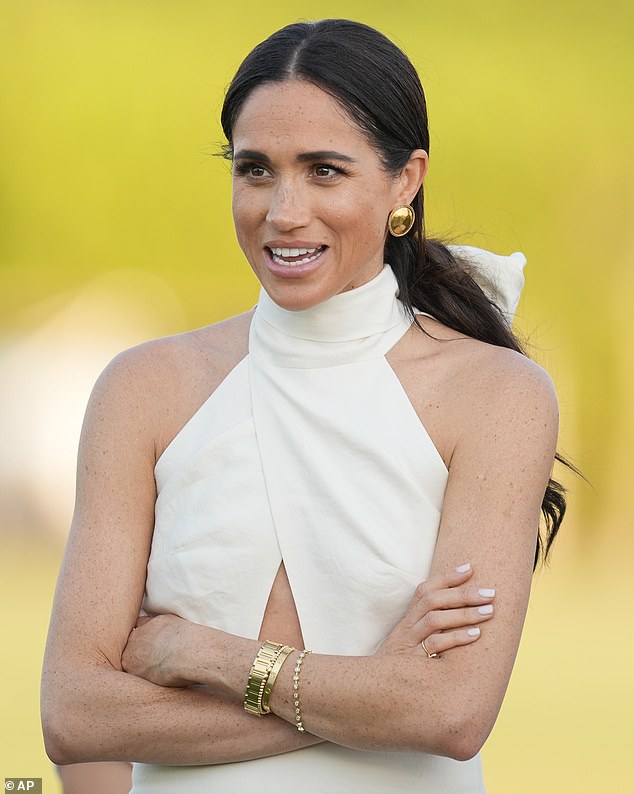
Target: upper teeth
[293,251]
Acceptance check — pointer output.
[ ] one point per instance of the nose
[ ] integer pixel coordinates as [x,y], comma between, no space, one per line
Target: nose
[289,206]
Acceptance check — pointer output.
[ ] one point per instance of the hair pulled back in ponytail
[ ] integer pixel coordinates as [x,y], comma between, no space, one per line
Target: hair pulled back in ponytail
[379,89]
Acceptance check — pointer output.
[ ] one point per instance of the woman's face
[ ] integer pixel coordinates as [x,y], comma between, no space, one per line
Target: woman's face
[310,195]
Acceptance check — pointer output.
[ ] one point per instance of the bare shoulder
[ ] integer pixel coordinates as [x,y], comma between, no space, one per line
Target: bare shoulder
[155,387]
[505,403]
[499,376]
[169,358]
[465,389]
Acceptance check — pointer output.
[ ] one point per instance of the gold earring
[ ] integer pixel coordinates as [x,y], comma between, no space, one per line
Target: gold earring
[401,220]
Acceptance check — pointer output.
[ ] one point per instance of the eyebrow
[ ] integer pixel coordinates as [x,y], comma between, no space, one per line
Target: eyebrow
[304,157]
[324,154]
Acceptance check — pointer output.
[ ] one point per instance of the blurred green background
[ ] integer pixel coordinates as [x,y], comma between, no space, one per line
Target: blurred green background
[115,226]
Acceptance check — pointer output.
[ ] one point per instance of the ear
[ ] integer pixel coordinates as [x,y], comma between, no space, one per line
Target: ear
[411,177]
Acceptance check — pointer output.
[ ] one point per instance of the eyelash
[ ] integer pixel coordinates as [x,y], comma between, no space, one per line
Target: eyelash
[245,168]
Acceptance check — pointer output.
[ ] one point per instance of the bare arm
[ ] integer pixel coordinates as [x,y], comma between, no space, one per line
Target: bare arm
[91,709]
[498,474]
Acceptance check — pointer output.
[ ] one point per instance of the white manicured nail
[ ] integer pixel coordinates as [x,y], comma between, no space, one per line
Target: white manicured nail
[463,568]
[474,632]
[486,592]
[487,609]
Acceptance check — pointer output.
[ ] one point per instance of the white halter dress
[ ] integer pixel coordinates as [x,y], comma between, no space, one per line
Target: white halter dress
[310,453]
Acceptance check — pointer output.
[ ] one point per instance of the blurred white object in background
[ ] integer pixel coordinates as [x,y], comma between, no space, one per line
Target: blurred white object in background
[46,374]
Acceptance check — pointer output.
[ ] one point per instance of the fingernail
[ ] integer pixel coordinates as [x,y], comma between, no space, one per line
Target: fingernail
[474,632]
[487,609]
[486,592]
[463,568]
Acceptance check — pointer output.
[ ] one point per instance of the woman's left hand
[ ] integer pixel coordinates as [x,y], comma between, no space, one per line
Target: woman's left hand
[444,613]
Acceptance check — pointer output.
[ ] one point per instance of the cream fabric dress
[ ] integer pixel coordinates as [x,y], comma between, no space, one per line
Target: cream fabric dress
[309,452]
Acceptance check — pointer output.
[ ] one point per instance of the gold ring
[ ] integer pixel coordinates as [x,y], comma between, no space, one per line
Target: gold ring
[429,655]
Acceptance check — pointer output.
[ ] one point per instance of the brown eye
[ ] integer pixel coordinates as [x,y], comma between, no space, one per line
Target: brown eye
[325,170]
[249,170]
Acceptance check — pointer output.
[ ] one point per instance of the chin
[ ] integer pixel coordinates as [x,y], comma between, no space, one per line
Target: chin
[295,297]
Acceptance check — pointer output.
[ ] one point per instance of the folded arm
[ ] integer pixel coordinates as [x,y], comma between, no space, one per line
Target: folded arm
[401,699]
[93,710]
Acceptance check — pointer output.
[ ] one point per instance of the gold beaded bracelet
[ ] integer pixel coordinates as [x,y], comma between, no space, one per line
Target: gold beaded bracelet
[259,675]
[298,711]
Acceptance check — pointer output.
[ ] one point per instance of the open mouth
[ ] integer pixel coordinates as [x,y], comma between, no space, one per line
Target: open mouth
[295,256]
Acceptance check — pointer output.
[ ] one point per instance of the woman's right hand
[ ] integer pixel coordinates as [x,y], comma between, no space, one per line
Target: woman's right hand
[444,612]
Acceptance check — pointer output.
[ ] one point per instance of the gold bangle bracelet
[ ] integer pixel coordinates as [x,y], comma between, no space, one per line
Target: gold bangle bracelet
[270,681]
[258,676]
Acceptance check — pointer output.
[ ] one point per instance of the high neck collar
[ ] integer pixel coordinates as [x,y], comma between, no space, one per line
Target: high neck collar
[357,324]
[354,314]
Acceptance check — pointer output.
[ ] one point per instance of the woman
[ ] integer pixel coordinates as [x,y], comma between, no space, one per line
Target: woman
[372,438]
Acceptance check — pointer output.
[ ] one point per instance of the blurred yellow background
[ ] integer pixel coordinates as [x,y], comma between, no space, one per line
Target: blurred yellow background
[115,226]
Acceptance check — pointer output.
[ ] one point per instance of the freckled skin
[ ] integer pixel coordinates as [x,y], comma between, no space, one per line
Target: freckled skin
[345,211]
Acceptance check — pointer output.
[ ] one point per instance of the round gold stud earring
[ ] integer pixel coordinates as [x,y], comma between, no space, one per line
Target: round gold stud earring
[401,220]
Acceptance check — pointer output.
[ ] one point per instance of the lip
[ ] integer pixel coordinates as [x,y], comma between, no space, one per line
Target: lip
[293,271]
[280,243]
